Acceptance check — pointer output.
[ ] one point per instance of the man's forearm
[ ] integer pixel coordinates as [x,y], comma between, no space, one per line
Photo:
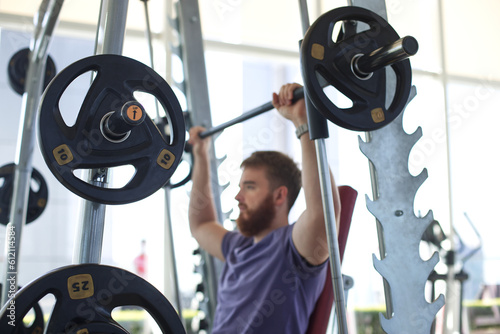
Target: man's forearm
[201,204]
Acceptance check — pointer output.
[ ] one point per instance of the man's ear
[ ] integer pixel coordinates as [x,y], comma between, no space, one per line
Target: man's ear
[280,195]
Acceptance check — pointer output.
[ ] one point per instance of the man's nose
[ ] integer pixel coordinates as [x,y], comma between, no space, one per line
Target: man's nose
[238,196]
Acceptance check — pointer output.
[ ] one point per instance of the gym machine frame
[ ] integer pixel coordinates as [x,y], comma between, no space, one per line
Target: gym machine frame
[45,21]
[195,87]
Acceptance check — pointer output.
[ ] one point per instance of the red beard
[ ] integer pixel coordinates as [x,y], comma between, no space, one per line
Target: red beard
[258,220]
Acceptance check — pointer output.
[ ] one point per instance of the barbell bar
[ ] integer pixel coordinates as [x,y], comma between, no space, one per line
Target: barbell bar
[297,95]
[362,66]
[399,50]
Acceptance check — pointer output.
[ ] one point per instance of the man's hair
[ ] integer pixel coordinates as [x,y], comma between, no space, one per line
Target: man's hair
[280,169]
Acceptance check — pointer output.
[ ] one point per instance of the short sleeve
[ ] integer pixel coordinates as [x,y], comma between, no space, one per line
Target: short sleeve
[230,241]
[300,262]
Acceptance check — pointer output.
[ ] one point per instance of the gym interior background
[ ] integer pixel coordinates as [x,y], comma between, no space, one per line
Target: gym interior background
[251,49]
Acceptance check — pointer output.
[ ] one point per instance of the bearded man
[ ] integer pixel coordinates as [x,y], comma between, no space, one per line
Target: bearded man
[273,271]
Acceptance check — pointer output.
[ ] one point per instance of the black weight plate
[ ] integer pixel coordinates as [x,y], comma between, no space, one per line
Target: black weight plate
[101,327]
[322,57]
[83,145]
[37,198]
[86,295]
[187,159]
[179,178]
[36,326]
[17,70]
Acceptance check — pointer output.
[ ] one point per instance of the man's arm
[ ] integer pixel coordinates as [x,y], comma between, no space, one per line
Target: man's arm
[202,214]
[309,232]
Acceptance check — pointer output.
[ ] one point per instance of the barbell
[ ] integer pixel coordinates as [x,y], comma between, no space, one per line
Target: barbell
[355,65]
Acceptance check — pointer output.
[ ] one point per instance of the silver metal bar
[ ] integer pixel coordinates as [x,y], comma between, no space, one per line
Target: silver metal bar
[331,234]
[328,209]
[396,51]
[112,26]
[89,238]
[389,310]
[45,21]
[170,259]
[150,47]
[198,103]
[38,18]
[452,314]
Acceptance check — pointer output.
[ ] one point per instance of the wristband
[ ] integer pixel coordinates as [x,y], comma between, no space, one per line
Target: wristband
[301,129]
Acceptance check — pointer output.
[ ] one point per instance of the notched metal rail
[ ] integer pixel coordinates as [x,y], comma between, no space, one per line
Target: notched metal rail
[401,265]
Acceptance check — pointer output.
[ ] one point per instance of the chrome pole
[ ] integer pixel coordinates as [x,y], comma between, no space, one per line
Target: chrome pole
[319,132]
[45,22]
[89,238]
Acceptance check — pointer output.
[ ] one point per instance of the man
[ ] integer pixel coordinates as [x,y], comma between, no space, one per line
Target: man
[273,272]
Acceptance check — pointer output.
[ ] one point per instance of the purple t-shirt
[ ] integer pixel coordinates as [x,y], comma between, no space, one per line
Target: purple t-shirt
[266,288]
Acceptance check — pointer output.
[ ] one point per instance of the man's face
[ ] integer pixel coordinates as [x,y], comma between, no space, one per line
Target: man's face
[255,201]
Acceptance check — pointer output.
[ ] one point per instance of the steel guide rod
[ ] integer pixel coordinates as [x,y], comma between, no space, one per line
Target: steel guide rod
[45,21]
[170,258]
[150,48]
[198,104]
[89,237]
[318,129]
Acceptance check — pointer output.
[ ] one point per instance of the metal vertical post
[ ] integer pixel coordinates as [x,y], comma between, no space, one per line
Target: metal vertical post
[45,22]
[112,19]
[170,261]
[452,313]
[198,103]
[318,130]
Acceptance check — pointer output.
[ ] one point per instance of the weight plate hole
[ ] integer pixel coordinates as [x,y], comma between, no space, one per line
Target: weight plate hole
[337,30]
[118,176]
[29,318]
[73,96]
[121,175]
[35,185]
[123,313]
[154,109]
[335,96]
[390,92]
